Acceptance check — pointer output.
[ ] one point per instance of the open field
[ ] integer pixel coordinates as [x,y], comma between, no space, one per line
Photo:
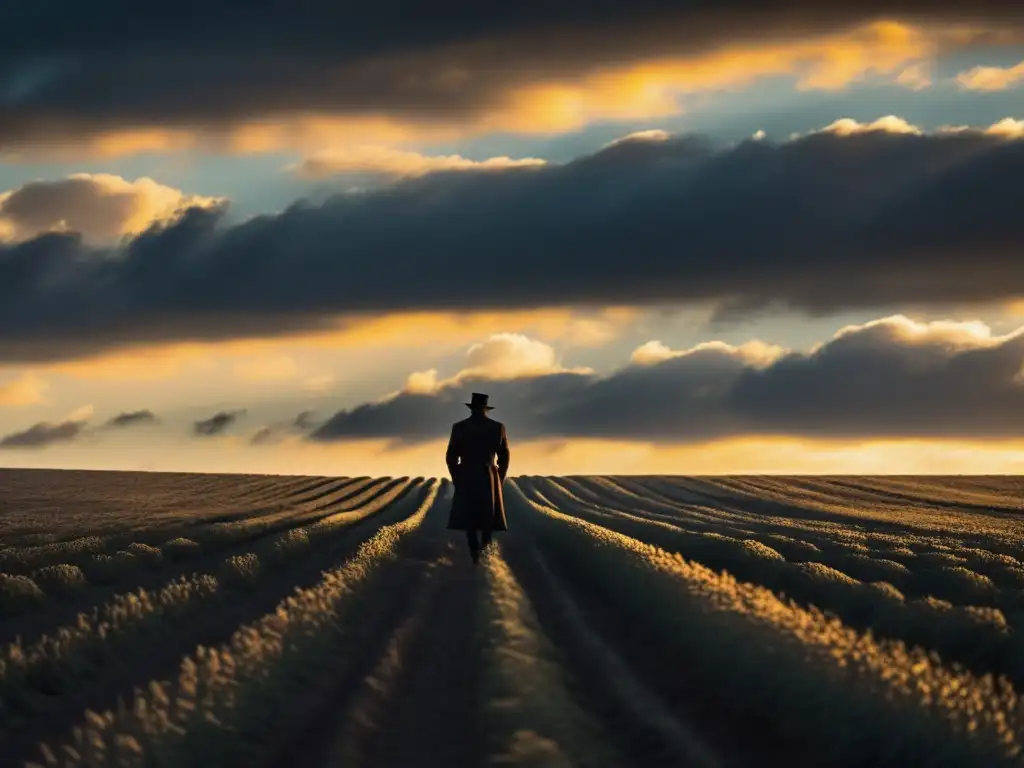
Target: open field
[215,620]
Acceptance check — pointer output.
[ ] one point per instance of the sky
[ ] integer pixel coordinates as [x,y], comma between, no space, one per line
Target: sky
[664,238]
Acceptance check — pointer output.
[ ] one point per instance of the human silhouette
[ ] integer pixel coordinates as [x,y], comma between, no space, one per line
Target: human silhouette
[478,504]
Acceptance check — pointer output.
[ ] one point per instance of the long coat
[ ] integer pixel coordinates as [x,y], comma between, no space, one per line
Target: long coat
[474,444]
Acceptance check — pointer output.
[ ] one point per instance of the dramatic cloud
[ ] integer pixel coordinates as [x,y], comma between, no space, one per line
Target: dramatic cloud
[216,424]
[822,223]
[651,134]
[754,352]
[502,356]
[271,80]
[889,124]
[273,25]
[43,434]
[394,162]
[27,389]
[101,207]
[991,78]
[510,356]
[892,378]
[132,418]
[1007,128]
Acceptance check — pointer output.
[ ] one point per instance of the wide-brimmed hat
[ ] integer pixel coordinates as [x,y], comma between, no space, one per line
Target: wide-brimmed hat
[479,400]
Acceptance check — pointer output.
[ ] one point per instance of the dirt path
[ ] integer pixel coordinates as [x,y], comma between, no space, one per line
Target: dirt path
[419,699]
[635,720]
[411,698]
[433,717]
[415,688]
[418,695]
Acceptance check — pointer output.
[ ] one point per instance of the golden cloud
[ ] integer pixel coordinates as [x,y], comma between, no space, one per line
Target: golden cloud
[643,88]
[263,358]
[400,163]
[27,389]
[102,207]
[82,413]
[755,353]
[846,126]
[511,355]
[500,357]
[651,134]
[951,334]
[1007,128]
[149,363]
[576,327]
[991,78]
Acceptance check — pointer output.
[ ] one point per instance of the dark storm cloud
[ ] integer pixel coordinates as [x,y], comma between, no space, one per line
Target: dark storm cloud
[821,224]
[216,424]
[870,383]
[131,418]
[105,25]
[112,64]
[43,434]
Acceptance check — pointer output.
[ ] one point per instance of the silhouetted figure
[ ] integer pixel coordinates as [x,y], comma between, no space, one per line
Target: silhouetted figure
[479,504]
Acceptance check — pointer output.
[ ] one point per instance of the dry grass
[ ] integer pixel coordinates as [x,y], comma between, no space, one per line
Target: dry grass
[858,698]
[872,621]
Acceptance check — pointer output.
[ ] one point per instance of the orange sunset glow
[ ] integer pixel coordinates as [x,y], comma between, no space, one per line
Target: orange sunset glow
[596,223]
[533,384]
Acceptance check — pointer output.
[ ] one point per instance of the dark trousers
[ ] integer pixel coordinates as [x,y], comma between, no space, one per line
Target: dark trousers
[475,545]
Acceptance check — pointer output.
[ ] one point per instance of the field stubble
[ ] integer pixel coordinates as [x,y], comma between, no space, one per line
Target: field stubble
[328,621]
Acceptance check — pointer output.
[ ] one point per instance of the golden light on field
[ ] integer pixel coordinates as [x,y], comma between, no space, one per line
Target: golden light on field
[825,600]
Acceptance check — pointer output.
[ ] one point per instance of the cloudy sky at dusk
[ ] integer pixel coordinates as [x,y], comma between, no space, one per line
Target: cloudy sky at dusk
[664,237]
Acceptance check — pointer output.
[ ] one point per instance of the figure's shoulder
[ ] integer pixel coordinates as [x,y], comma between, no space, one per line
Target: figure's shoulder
[460,423]
[497,426]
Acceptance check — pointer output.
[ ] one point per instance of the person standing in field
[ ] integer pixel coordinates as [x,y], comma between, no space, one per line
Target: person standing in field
[479,504]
